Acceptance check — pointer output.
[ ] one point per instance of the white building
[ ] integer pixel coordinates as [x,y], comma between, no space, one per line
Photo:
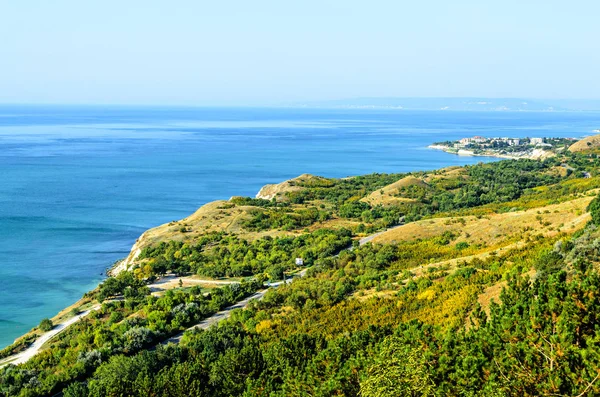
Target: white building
[475,139]
[536,141]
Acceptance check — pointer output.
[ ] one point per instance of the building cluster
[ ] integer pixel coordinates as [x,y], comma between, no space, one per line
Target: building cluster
[489,142]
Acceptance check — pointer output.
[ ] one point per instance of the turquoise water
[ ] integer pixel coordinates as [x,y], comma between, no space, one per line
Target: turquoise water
[80,184]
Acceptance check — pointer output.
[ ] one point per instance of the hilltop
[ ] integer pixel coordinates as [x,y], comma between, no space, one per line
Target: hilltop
[585,144]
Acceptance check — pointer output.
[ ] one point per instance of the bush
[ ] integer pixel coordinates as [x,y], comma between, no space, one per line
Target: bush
[137,338]
[462,245]
[46,325]
[77,389]
[594,209]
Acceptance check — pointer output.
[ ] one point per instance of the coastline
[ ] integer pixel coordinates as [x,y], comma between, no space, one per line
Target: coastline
[536,155]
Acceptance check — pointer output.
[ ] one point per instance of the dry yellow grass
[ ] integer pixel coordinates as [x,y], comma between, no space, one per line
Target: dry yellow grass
[451,265]
[334,223]
[446,173]
[217,216]
[363,295]
[558,170]
[278,190]
[589,143]
[492,293]
[495,228]
[173,282]
[387,194]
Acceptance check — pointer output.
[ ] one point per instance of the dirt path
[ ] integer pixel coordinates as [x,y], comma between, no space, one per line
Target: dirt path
[35,347]
[172,281]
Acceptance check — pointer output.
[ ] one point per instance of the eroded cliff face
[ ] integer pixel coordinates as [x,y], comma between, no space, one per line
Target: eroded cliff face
[128,262]
[277,191]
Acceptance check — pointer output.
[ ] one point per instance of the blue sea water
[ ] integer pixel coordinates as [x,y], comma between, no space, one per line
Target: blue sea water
[78,185]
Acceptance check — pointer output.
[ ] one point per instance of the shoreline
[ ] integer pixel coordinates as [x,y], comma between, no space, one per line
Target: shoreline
[468,153]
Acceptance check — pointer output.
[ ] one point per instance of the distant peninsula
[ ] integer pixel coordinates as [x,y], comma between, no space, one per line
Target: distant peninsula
[510,148]
[462,104]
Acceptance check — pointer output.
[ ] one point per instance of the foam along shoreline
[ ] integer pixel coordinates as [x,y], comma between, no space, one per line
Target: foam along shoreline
[535,154]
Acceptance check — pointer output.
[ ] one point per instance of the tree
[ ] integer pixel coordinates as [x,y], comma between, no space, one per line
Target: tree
[137,338]
[76,389]
[594,209]
[399,370]
[46,325]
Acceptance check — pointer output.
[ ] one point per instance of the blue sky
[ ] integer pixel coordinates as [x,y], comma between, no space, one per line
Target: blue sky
[257,52]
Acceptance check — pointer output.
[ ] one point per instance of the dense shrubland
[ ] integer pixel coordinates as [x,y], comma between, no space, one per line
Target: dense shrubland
[219,255]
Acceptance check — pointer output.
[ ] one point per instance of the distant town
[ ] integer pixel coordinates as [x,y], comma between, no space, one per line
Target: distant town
[505,147]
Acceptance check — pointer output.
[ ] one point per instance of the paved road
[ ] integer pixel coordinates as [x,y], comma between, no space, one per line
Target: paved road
[35,347]
[217,317]
[367,239]
[226,313]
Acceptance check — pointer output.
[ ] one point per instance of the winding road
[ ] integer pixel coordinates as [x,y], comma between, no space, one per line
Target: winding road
[35,347]
[226,313]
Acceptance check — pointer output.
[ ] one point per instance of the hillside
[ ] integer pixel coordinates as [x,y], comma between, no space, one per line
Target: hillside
[588,143]
[478,280]
[217,216]
[390,194]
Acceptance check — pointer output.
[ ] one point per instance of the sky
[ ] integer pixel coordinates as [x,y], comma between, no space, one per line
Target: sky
[196,52]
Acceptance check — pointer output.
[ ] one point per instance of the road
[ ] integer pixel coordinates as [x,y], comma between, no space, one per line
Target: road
[172,281]
[367,239]
[226,313]
[35,347]
[217,317]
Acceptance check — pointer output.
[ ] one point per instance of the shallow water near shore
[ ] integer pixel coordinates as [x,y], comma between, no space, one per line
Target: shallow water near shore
[80,184]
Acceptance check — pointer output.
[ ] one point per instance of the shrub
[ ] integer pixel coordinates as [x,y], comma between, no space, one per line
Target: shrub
[46,325]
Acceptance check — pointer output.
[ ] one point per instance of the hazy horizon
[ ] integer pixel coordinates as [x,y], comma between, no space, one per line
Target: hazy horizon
[410,103]
[268,52]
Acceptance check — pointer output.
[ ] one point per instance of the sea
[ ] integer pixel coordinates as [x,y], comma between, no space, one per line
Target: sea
[79,184]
